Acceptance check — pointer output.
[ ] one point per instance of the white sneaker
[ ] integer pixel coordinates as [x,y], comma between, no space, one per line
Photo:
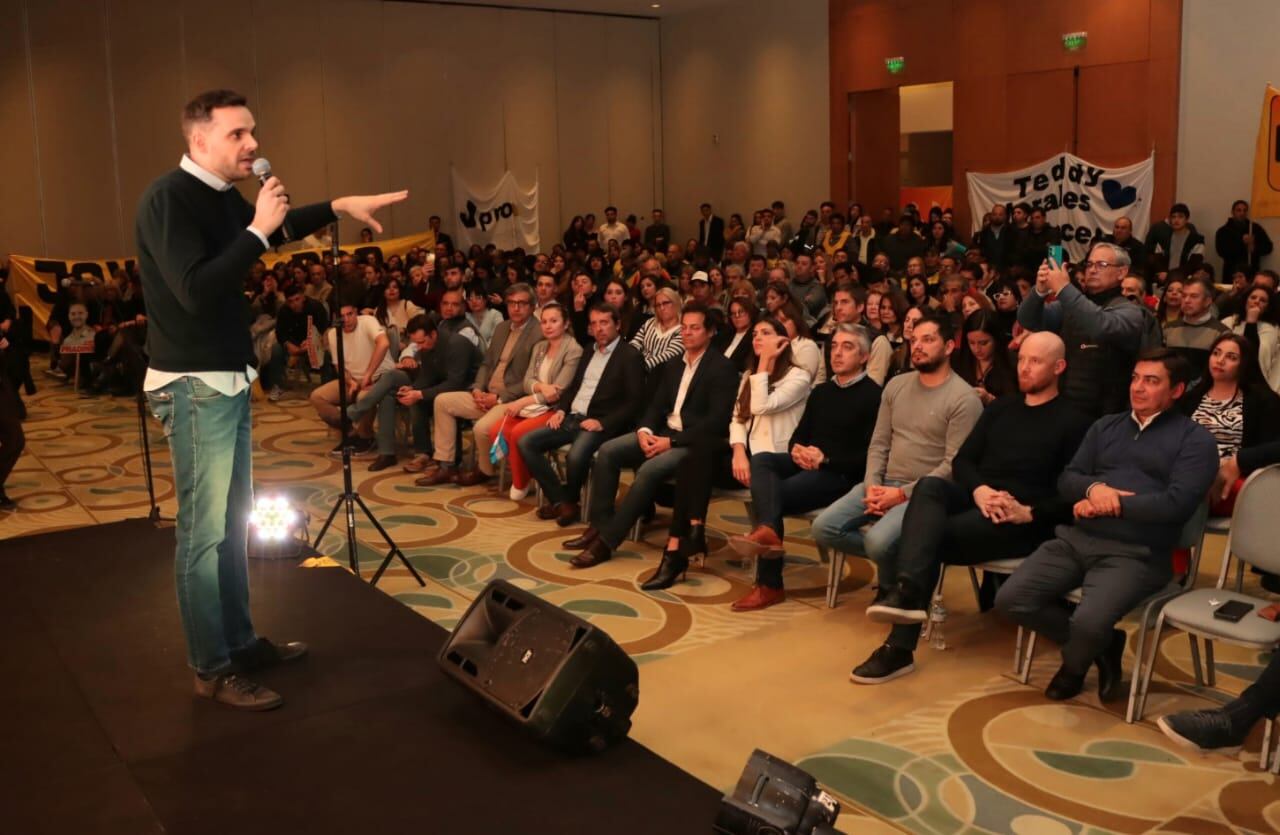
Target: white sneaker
[517,494]
[275,394]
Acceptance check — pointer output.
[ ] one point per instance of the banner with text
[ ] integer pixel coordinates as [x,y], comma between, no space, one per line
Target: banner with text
[1082,199]
[505,215]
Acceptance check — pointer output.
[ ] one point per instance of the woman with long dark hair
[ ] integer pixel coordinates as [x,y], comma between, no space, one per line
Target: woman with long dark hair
[1257,321]
[575,237]
[771,400]
[983,358]
[736,342]
[893,312]
[394,311]
[615,293]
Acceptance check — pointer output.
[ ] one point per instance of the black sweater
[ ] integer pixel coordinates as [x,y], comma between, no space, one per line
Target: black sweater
[194,251]
[839,421]
[1022,450]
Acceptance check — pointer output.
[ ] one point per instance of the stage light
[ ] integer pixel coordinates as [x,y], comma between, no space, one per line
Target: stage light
[278,529]
[775,797]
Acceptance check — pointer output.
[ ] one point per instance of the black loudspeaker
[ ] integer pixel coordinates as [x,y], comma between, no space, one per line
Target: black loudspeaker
[563,679]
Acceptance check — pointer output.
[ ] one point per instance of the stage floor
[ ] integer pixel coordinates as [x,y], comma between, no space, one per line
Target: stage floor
[956,747]
[102,734]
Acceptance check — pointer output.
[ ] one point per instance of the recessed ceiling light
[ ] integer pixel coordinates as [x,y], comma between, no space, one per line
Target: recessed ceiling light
[655,5]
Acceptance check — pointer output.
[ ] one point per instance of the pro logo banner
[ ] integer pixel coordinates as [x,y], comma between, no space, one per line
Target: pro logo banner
[505,215]
[1083,199]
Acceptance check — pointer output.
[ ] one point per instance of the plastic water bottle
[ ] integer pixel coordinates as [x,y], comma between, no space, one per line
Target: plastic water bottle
[937,617]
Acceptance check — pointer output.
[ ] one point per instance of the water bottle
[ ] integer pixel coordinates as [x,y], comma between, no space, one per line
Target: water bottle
[937,617]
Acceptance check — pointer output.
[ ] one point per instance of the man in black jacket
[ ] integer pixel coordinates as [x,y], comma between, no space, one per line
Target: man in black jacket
[827,456]
[197,239]
[599,405]
[293,336]
[1241,243]
[692,400]
[711,232]
[439,362]
[997,240]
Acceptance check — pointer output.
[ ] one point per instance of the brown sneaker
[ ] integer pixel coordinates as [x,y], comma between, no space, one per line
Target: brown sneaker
[420,463]
[237,692]
[440,475]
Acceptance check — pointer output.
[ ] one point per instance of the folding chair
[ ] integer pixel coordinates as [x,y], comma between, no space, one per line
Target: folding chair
[1251,540]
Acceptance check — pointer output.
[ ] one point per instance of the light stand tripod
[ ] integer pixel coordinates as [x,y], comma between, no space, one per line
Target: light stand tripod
[350,498]
[154,514]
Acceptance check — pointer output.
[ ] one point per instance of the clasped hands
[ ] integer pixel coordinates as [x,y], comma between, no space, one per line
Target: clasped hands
[879,499]
[651,444]
[1099,500]
[1000,506]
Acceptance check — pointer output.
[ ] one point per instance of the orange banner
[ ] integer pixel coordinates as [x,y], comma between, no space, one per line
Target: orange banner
[1266,159]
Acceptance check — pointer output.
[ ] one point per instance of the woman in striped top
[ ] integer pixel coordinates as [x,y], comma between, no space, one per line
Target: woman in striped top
[659,338]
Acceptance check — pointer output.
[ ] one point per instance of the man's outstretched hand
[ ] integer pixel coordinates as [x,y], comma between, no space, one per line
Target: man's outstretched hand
[362,206]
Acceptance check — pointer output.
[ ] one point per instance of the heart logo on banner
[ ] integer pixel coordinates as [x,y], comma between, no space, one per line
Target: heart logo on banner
[1116,195]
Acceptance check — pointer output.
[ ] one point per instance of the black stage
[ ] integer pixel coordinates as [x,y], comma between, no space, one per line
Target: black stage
[100,731]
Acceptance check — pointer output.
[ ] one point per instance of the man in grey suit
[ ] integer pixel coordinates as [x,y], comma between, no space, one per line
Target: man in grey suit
[499,380]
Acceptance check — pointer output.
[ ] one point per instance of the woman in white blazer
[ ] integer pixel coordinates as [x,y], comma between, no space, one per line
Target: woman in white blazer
[771,400]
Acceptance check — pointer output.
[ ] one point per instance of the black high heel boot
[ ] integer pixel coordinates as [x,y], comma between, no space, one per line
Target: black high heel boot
[694,543]
[672,568]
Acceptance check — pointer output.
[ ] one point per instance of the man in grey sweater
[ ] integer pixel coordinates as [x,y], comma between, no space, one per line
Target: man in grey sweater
[1135,481]
[924,417]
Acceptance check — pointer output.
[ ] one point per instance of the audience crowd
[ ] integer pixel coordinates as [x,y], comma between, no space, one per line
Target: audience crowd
[931,396]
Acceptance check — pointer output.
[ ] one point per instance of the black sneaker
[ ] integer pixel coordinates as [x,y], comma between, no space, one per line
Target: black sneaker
[885,664]
[1203,730]
[336,452]
[364,448]
[900,604]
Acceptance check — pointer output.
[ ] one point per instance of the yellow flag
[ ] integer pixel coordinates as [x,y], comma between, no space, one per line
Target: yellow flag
[1266,161]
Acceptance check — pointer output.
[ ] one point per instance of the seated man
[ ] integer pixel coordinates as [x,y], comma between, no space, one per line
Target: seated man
[499,380]
[1192,335]
[1002,504]
[294,324]
[693,397]
[828,455]
[438,363]
[1135,481]
[599,405]
[924,416]
[371,379]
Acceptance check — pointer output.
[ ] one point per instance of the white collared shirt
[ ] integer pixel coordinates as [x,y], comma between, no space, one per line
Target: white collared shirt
[229,383]
[674,422]
[591,377]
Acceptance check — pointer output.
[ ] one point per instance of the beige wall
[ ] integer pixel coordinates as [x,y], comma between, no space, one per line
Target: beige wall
[755,77]
[1228,58]
[349,96]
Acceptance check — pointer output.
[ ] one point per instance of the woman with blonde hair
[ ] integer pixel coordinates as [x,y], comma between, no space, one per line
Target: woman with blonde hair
[659,338]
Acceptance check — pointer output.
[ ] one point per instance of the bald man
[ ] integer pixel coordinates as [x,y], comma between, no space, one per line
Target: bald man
[1002,503]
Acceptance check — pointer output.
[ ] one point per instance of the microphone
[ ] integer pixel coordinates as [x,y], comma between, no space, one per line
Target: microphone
[262,169]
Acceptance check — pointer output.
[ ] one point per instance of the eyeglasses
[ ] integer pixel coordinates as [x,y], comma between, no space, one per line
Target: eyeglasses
[1005,292]
[664,303]
[518,302]
[1099,265]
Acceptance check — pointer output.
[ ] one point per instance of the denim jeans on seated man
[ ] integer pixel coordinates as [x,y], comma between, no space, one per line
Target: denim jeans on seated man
[839,527]
[583,445]
[212,457]
[651,473]
[381,396]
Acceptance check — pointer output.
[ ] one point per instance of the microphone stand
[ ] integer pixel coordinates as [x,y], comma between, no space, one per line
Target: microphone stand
[350,498]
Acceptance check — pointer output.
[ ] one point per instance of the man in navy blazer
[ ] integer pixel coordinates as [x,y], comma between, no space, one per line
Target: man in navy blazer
[599,405]
[692,401]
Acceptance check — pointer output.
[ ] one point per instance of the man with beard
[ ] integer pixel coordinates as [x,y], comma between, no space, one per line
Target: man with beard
[1002,503]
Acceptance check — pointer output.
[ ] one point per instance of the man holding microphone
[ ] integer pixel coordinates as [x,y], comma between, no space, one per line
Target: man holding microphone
[197,238]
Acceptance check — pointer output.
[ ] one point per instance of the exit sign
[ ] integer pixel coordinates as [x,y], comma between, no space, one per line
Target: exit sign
[895,65]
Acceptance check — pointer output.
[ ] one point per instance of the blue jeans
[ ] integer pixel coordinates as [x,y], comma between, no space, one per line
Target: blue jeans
[381,396]
[840,527]
[583,446]
[779,487]
[211,448]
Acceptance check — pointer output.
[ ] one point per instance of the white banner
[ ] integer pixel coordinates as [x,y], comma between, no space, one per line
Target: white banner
[505,215]
[1082,199]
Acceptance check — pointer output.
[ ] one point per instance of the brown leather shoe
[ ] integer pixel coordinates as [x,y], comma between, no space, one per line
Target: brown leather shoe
[440,475]
[420,464]
[548,511]
[471,478]
[762,540]
[237,692]
[596,553]
[760,597]
[382,462]
[570,514]
[588,536]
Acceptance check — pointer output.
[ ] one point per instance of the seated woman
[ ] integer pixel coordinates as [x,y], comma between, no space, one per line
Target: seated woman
[804,351]
[395,311]
[983,358]
[658,339]
[735,340]
[551,369]
[1257,322]
[1237,408]
[481,316]
[629,322]
[900,361]
[771,399]
[893,310]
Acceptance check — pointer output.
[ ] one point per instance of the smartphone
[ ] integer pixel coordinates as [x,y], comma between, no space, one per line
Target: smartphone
[1233,610]
[1055,254]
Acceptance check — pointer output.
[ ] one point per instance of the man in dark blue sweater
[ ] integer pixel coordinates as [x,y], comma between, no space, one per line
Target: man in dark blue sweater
[1135,481]
[197,240]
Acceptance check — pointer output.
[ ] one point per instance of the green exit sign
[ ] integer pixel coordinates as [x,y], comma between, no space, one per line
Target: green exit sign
[1074,41]
[895,65]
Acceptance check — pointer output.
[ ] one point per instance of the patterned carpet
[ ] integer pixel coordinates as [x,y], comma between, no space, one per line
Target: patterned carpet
[957,747]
